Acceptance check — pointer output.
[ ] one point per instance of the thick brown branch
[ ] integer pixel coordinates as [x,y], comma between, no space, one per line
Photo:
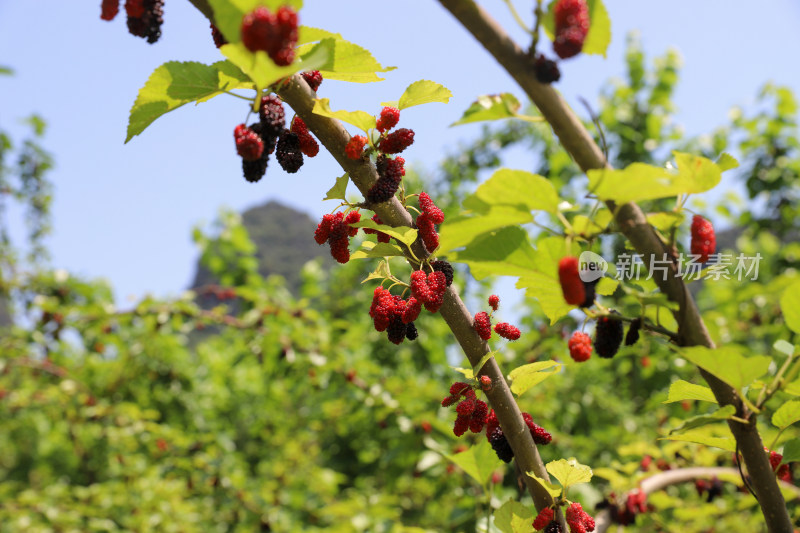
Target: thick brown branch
[362,172]
[633,224]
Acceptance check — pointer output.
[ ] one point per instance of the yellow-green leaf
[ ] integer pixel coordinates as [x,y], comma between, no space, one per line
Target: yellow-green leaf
[424,92]
[723,413]
[553,489]
[403,234]
[728,364]
[479,461]
[790,306]
[787,414]
[382,249]
[514,517]
[493,107]
[504,252]
[569,472]
[337,192]
[703,437]
[530,375]
[461,231]
[599,36]
[683,390]
[606,286]
[516,188]
[360,119]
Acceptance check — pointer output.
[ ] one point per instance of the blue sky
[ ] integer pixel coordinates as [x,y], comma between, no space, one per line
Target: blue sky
[125,212]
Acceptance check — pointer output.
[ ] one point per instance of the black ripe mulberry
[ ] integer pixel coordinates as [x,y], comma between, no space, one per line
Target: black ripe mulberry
[607,337]
[633,332]
[440,265]
[546,70]
[273,119]
[390,174]
[288,152]
[254,170]
[411,331]
[145,18]
[500,445]
[397,330]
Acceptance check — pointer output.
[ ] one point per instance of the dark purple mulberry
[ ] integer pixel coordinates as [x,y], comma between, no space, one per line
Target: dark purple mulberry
[288,152]
[500,445]
[607,337]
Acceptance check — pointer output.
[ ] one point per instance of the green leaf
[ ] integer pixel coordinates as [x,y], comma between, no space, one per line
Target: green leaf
[309,34]
[683,390]
[228,14]
[504,252]
[728,364]
[6,71]
[599,36]
[791,451]
[381,249]
[264,72]
[790,307]
[466,372]
[569,472]
[350,62]
[527,376]
[792,388]
[517,188]
[424,92]
[723,413]
[514,517]
[477,368]
[337,192]
[493,107]
[727,162]
[461,231]
[403,234]
[664,222]
[174,84]
[606,286]
[553,489]
[786,415]
[360,119]
[547,290]
[381,272]
[479,461]
[786,348]
[703,437]
[694,175]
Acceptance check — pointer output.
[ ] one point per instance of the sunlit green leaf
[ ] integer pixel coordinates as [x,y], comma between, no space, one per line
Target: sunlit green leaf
[424,92]
[526,376]
[787,414]
[790,306]
[702,437]
[504,252]
[514,517]
[461,231]
[479,461]
[791,451]
[553,489]
[403,234]
[728,364]
[606,286]
[381,249]
[519,188]
[599,36]
[569,472]
[360,119]
[683,390]
[337,192]
[723,413]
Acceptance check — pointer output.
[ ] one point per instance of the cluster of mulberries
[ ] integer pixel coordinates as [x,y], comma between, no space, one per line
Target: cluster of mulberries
[544,518]
[471,412]
[580,347]
[273,33]
[704,241]
[429,289]
[440,265]
[578,520]
[607,336]
[382,237]
[313,79]
[496,437]
[393,314]
[482,323]
[571,26]
[397,141]
[336,231]
[248,143]
[390,174]
[783,471]
[427,220]
[254,143]
[308,144]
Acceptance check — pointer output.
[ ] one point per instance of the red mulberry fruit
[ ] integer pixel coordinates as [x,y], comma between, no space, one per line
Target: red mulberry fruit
[308,144]
[389,118]
[607,336]
[483,325]
[507,331]
[324,229]
[382,237]
[397,141]
[461,425]
[704,241]
[440,265]
[248,144]
[355,146]
[273,117]
[313,79]
[351,218]
[478,418]
[571,27]
[571,284]
[580,347]
[427,232]
[544,517]
[539,434]
[259,30]
[109,9]
[412,310]
[427,206]
[494,302]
